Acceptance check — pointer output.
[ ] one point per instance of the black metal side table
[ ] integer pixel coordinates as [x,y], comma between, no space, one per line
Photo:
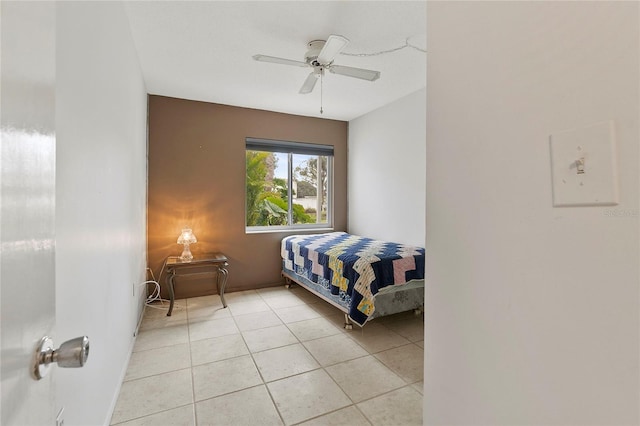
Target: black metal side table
[216,261]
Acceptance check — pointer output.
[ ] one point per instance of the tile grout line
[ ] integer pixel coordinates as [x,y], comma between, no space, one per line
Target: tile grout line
[256,365]
[193,382]
[147,415]
[321,367]
[353,404]
[369,353]
[301,343]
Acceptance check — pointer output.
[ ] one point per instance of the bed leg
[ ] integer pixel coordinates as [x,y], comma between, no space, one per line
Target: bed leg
[287,282]
[348,325]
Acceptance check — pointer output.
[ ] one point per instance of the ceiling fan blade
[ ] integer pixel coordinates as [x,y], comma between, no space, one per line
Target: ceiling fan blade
[360,73]
[332,47]
[273,59]
[309,83]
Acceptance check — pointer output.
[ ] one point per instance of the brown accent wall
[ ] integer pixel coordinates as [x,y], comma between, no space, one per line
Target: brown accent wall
[197,179]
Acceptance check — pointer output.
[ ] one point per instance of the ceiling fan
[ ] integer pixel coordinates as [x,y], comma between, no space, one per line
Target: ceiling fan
[320,57]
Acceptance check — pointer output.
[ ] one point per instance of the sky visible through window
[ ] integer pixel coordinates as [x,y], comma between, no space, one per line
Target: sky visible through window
[281,169]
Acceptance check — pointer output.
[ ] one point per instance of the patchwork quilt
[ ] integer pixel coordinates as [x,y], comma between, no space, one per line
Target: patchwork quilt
[353,267]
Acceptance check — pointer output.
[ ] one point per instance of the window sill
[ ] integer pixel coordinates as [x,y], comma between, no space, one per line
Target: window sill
[287,229]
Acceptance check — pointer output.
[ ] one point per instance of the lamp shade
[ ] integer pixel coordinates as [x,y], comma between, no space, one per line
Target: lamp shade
[187,237]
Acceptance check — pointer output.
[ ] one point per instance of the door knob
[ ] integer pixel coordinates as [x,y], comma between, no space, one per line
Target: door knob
[71,354]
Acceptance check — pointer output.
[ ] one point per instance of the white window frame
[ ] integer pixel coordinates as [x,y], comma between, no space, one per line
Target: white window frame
[290,148]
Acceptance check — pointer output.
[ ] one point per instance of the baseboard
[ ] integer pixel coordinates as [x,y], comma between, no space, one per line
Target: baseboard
[123,373]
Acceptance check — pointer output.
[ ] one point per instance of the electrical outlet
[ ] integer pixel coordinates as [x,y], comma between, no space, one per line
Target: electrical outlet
[60,418]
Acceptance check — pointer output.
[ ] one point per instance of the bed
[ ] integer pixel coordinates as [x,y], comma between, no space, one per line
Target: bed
[363,277]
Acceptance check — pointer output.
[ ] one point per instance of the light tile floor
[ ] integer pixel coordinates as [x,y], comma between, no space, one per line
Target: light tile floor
[275,356]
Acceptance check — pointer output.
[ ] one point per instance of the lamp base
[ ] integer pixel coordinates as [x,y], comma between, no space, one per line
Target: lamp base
[186,255]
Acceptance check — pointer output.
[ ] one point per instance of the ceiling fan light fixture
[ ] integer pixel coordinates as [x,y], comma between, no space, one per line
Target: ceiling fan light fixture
[314,49]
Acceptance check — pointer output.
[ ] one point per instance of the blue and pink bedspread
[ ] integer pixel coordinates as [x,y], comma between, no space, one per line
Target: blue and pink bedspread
[354,268]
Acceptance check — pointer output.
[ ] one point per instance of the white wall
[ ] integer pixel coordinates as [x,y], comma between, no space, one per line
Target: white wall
[101,201]
[531,312]
[386,171]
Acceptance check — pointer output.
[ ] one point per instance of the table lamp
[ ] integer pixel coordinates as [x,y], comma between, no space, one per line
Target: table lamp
[186,238]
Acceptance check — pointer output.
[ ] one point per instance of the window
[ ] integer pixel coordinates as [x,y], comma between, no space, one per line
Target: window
[288,185]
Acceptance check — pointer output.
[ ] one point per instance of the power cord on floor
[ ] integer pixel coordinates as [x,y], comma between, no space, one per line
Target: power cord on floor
[155,294]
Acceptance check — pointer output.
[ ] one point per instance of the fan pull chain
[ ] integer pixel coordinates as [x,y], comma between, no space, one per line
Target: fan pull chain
[321,79]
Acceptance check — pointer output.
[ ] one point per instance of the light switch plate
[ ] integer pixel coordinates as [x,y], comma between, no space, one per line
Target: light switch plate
[60,417]
[594,147]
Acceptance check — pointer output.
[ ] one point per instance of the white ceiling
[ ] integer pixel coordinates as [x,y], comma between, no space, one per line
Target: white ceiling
[202,50]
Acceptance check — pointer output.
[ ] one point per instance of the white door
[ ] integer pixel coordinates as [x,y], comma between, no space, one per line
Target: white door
[27,209]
